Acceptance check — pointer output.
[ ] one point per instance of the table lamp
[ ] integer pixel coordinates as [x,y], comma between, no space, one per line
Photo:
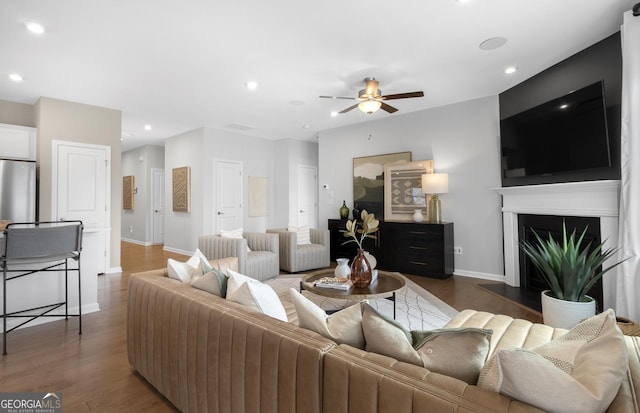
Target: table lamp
[435,184]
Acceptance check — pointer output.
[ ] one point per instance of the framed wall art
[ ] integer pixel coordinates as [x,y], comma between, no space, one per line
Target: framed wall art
[258,196]
[128,199]
[182,189]
[403,189]
[368,180]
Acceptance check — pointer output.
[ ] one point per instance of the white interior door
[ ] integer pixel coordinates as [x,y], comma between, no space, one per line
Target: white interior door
[157,201]
[307,196]
[228,193]
[81,180]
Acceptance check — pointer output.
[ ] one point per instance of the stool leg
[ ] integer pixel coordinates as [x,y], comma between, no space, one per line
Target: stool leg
[79,300]
[4,310]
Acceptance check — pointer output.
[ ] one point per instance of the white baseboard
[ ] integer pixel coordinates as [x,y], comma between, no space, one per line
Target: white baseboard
[480,275]
[114,270]
[177,251]
[137,242]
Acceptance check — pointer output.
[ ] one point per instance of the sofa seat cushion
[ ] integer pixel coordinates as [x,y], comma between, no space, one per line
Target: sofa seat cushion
[507,331]
[579,371]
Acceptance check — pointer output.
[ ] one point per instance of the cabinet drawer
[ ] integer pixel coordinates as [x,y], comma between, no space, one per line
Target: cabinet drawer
[423,266]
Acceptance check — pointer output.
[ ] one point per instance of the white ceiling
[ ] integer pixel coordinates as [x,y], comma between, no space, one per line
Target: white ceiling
[180,65]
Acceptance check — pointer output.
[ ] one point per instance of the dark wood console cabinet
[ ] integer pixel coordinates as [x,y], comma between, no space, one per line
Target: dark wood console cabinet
[421,249]
[424,249]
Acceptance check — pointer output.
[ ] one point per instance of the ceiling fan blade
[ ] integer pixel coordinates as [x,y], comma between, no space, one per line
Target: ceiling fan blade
[403,95]
[349,108]
[372,86]
[336,97]
[388,108]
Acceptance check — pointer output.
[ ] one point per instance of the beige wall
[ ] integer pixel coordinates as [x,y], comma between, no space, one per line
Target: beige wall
[14,113]
[76,122]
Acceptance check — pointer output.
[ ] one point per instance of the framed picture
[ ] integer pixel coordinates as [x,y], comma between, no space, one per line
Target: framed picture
[258,196]
[403,189]
[182,189]
[127,192]
[368,180]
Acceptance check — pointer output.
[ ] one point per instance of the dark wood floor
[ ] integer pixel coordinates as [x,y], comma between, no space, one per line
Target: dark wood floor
[91,371]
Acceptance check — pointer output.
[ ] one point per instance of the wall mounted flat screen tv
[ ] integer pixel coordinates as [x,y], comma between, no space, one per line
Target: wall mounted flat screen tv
[564,135]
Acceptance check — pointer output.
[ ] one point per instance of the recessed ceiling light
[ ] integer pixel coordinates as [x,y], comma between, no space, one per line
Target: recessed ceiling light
[493,43]
[15,77]
[147,127]
[334,113]
[564,106]
[306,127]
[511,69]
[251,85]
[34,27]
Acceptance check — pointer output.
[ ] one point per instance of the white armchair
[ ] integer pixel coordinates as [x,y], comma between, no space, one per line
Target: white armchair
[261,263]
[296,258]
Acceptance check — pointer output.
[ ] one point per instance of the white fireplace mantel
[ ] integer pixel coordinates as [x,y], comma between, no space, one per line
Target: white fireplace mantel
[587,199]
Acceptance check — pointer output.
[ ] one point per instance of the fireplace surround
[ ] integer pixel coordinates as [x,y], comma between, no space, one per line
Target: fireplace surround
[598,199]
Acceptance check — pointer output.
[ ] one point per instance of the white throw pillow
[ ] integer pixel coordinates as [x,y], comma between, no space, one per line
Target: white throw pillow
[183,271]
[303,235]
[233,233]
[580,371]
[245,290]
[343,327]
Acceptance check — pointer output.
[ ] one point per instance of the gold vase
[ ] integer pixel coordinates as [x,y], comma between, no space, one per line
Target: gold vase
[360,270]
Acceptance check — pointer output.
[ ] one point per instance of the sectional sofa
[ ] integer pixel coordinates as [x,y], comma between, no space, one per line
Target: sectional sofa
[207,354]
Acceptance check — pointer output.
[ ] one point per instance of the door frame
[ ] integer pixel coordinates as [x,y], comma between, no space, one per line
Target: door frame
[152,203]
[315,193]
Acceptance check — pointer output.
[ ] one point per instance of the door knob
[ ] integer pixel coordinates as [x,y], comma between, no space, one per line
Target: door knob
[156,211]
[301,211]
[220,213]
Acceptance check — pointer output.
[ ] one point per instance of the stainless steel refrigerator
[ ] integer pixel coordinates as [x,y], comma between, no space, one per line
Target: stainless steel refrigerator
[17,190]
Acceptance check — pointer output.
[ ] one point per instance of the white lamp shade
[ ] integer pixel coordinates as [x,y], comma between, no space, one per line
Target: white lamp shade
[435,183]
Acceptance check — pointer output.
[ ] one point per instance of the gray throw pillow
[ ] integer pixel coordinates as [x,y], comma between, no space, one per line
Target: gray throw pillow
[455,352]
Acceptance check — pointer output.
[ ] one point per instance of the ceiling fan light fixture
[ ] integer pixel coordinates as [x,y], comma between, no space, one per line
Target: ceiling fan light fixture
[369,106]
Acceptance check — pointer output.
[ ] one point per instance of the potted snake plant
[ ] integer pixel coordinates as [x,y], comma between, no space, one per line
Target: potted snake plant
[569,271]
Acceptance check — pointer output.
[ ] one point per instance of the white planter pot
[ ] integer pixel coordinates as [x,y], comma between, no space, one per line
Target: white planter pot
[565,314]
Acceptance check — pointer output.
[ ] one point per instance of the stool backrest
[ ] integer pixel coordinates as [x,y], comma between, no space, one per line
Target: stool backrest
[42,239]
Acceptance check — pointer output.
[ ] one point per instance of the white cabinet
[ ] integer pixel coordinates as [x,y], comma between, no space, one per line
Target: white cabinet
[17,142]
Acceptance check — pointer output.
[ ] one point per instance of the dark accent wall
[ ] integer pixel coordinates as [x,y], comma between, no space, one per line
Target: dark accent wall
[602,61]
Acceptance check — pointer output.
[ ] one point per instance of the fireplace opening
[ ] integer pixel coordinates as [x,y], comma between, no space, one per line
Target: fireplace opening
[530,278]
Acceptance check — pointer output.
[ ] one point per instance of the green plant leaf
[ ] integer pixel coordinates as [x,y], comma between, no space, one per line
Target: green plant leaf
[568,269]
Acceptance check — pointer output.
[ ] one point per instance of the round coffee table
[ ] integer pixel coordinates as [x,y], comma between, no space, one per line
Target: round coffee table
[385,286]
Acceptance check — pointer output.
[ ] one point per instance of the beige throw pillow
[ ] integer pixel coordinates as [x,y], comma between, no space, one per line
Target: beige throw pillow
[303,236]
[343,327]
[212,281]
[455,352]
[580,371]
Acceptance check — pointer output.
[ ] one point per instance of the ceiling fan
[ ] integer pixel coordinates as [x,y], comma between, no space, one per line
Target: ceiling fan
[371,99]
